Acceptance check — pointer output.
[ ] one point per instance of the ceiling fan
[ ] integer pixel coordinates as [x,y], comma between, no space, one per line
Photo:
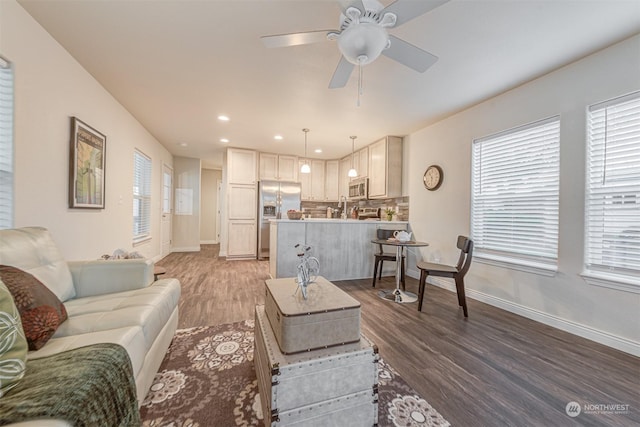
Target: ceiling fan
[363,36]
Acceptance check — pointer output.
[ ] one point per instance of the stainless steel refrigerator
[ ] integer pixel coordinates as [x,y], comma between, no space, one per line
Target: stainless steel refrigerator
[275,198]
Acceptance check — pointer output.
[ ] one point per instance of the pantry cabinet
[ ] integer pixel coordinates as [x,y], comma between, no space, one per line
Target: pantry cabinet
[385,173]
[241,203]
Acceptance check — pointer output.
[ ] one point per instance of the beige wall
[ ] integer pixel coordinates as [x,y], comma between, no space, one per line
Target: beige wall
[208,220]
[566,301]
[50,87]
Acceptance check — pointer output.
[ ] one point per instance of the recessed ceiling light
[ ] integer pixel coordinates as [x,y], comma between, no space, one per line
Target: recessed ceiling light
[318,150]
[223,118]
[278,137]
[225,140]
[183,144]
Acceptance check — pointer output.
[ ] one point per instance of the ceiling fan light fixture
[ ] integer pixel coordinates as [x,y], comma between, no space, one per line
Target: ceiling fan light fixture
[362,44]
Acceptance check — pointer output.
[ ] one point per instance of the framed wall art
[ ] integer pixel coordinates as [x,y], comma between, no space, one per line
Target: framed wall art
[86,166]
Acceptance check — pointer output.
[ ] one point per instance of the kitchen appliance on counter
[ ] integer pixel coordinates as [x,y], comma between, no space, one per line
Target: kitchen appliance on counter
[371,214]
[359,189]
[275,198]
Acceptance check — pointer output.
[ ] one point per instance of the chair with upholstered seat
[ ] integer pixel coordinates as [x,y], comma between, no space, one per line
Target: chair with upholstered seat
[456,272]
[381,256]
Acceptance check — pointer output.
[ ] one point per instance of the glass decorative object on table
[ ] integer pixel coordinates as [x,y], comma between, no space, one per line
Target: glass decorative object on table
[308,269]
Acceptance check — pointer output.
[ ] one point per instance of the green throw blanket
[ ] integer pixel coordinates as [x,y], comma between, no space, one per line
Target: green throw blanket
[89,386]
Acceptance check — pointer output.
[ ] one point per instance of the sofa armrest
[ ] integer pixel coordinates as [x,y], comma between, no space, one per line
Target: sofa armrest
[105,277]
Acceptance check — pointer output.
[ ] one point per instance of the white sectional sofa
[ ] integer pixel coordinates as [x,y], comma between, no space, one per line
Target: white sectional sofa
[106,301]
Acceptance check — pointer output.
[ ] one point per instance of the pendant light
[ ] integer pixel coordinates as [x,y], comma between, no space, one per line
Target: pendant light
[305,166]
[352,172]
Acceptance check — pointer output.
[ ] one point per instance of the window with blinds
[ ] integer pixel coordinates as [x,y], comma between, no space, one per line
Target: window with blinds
[141,196]
[6,144]
[612,211]
[515,192]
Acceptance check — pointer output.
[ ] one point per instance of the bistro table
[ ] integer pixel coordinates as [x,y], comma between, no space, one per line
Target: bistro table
[397,294]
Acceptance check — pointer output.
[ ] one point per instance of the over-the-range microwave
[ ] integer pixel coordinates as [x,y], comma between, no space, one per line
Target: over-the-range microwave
[359,189]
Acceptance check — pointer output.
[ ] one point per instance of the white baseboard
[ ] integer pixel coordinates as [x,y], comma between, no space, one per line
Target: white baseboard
[209,242]
[605,338]
[186,249]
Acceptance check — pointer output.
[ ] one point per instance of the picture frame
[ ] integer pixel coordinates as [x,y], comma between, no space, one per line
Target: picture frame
[87,161]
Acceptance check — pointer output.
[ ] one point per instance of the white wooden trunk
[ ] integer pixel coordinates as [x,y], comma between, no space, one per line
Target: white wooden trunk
[334,386]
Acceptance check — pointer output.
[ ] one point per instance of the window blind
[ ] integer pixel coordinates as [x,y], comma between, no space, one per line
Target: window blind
[6,144]
[515,192]
[612,212]
[141,196]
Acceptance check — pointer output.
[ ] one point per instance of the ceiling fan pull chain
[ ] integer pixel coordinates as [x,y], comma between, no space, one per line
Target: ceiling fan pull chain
[359,82]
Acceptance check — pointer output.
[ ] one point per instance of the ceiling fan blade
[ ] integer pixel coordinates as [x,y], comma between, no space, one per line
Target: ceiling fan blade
[406,10]
[409,55]
[295,39]
[342,74]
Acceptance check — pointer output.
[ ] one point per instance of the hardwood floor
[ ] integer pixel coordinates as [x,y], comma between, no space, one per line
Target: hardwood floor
[493,369]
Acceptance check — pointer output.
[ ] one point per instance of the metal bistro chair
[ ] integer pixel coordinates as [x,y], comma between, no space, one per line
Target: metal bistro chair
[455,272]
[381,256]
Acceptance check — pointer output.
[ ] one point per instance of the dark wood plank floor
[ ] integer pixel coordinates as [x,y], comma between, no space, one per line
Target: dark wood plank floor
[492,369]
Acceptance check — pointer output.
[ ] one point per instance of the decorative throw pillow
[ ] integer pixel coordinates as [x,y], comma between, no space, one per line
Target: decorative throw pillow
[13,345]
[40,309]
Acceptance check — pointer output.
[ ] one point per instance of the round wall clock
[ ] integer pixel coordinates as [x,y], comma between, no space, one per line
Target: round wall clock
[432,178]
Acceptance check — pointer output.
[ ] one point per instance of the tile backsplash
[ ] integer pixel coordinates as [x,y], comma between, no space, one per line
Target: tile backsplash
[399,204]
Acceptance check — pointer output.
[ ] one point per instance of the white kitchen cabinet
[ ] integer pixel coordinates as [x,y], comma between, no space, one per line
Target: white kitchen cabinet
[331,181]
[385,173]
[363,163]
[241,166]
[268,166]
[312,183]
[242,201]
[242,239]
[317,180]
[287,168]
[278,167]
[343,178]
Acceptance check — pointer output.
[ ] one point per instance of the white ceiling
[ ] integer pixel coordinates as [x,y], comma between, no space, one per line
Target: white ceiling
[176,65]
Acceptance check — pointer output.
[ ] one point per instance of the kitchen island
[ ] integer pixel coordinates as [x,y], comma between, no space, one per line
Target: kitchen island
[343,246]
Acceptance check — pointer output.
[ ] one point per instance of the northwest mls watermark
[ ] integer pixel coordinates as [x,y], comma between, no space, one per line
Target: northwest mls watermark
[573,409]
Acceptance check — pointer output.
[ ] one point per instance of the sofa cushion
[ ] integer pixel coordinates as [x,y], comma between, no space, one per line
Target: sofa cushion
[130,337]
[150,308]
[13,345]
[33,250]
[40,310]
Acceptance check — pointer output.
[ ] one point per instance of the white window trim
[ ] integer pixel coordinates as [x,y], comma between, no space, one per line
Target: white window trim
[521,262]
[601,277]
[142,238]
[7,149]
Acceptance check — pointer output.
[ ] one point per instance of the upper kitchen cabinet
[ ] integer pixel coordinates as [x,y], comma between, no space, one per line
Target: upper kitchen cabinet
[363,163]
[331,180]
[313,183]
[343,179]
[385,171]
[278,167]
[241,166]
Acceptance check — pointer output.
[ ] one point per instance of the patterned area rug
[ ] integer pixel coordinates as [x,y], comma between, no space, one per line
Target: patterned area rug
[207,379]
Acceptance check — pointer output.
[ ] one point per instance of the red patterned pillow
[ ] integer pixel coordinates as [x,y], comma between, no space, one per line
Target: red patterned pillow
[40,309]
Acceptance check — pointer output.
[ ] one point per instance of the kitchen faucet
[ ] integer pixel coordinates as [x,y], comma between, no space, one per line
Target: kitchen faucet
[343,203]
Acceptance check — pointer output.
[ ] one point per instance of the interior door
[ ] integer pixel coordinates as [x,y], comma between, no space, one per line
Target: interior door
[167,209]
